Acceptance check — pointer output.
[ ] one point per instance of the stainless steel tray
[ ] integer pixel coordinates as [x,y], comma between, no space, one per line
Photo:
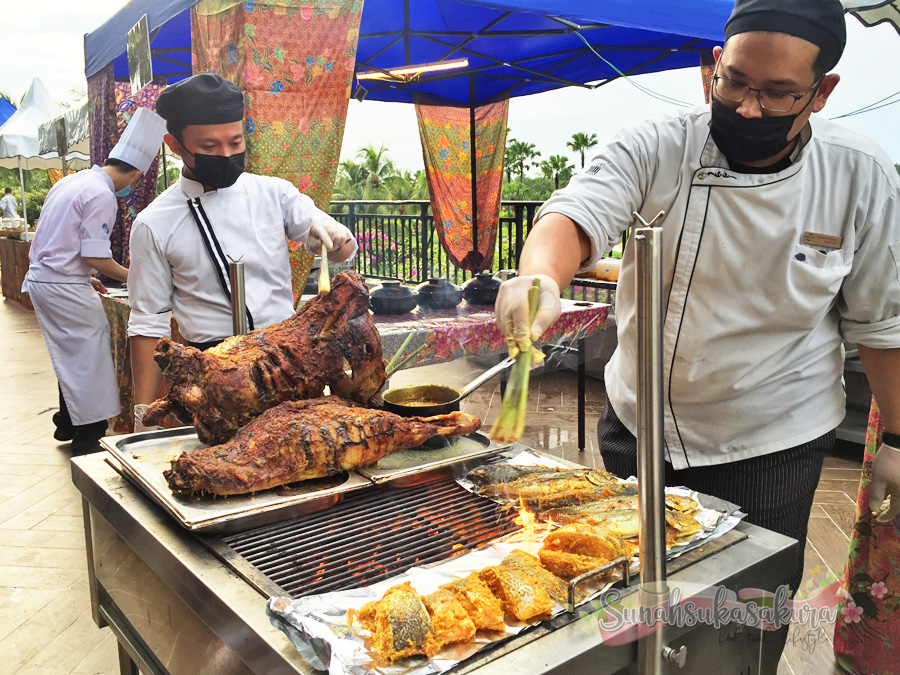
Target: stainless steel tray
[425,462]
[143,457]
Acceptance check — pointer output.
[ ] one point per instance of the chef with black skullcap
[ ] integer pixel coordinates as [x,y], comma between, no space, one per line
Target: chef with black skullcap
[181,244]
[781,240]
[71,244]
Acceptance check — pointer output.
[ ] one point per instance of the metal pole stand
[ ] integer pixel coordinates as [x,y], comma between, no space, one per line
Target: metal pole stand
[653,654]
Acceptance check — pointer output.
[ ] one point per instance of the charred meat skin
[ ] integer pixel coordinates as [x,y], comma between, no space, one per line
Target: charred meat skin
[299,440]
[223,388]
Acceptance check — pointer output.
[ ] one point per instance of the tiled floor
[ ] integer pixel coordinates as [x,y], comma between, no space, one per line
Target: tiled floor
[45,623]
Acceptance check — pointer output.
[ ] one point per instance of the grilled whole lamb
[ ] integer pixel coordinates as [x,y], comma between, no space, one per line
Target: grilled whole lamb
[300,440]
[221,389]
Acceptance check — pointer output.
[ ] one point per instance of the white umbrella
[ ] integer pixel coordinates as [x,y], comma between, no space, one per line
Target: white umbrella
[872,13]
[19,145]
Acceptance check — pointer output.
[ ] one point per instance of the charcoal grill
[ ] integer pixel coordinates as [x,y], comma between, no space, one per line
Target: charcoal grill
[369,536]
[183,603]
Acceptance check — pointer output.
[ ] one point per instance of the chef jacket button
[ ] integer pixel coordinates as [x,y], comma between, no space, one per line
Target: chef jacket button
[701,175]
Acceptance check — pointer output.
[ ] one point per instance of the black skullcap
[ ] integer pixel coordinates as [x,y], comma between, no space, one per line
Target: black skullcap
[206,98]
[818,21]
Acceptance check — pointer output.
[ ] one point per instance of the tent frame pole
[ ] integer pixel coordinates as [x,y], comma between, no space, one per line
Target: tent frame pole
[22,188]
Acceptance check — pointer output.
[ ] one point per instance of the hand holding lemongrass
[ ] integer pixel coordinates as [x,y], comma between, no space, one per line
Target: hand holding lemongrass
[517,324]
[510,423]
[324,279]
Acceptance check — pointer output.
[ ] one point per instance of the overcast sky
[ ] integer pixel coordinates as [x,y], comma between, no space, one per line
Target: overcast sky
[45,38]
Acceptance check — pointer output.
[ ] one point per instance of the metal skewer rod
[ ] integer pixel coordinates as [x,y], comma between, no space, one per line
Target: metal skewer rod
[651,475]
[239,322]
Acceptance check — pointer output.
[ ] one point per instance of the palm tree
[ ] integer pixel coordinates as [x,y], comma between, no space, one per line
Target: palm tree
[377,166]
[350,183]
[556,167]
[518,156]
[581,142]
[403,186]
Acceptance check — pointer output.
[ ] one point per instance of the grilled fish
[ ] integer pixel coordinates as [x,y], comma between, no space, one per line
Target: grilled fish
[480,603]
[535,488]
[531,565]
[519,593]
[450,620]
[400,624]
[494,474]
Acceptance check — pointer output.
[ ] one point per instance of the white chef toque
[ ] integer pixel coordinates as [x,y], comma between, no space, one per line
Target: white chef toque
[141,140]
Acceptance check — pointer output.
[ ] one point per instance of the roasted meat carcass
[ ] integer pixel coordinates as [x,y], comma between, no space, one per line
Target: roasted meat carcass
[299,440]
[223,388]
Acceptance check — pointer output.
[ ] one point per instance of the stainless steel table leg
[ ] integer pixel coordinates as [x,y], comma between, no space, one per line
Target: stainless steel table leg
[581,396]
[126,665]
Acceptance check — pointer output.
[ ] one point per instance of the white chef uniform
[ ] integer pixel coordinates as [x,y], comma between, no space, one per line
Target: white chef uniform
[76,222]
[754,318]
[171,270]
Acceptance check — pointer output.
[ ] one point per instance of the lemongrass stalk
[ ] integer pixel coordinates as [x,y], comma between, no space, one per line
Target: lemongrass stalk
[405,362]
[324,279]
[510,423]
[390,366]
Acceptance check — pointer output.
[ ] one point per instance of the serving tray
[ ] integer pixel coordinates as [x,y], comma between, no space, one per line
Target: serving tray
[437,456]
[143,457]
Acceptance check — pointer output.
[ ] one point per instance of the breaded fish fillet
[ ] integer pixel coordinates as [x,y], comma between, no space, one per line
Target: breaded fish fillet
[450,620]
[482,606]
[521,595]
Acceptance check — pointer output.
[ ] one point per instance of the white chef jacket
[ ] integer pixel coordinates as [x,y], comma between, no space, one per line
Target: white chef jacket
[76,220]
[8,206]
[171,270]
[753,318]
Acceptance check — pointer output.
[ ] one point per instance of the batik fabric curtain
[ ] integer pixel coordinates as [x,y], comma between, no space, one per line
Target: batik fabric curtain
[466,211]
[112,106]
[294,61]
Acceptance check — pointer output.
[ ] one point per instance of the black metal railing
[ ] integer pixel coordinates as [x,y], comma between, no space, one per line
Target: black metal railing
[397,240]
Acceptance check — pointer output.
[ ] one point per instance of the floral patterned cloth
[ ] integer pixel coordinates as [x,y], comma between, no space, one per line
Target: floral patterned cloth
[707,68]
[446,137]
[117,313]
[294,61]
[867,631]
[112,106]
[472,331]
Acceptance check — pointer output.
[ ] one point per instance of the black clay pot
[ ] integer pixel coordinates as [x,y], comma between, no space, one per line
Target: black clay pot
[438,294]
[392,297]
[481,289]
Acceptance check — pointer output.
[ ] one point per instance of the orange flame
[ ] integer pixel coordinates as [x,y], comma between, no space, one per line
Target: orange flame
[526,520]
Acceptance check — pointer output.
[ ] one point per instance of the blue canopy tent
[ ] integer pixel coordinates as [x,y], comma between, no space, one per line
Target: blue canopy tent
[6,110]
[501,49]
[513,47]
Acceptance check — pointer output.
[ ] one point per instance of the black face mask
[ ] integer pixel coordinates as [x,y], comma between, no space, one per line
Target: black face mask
[748,139]
[217,171]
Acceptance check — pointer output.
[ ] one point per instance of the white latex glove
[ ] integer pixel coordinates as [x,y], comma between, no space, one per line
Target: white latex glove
[328,232]
[511,309]
[885,483]
[139,410]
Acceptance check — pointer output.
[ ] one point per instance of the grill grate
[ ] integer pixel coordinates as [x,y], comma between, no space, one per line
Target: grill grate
[370,535]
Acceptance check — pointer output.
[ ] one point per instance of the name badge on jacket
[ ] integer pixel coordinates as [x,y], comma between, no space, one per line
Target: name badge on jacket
[818,240]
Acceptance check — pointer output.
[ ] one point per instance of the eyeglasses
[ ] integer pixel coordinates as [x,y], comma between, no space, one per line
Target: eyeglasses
[769,99]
